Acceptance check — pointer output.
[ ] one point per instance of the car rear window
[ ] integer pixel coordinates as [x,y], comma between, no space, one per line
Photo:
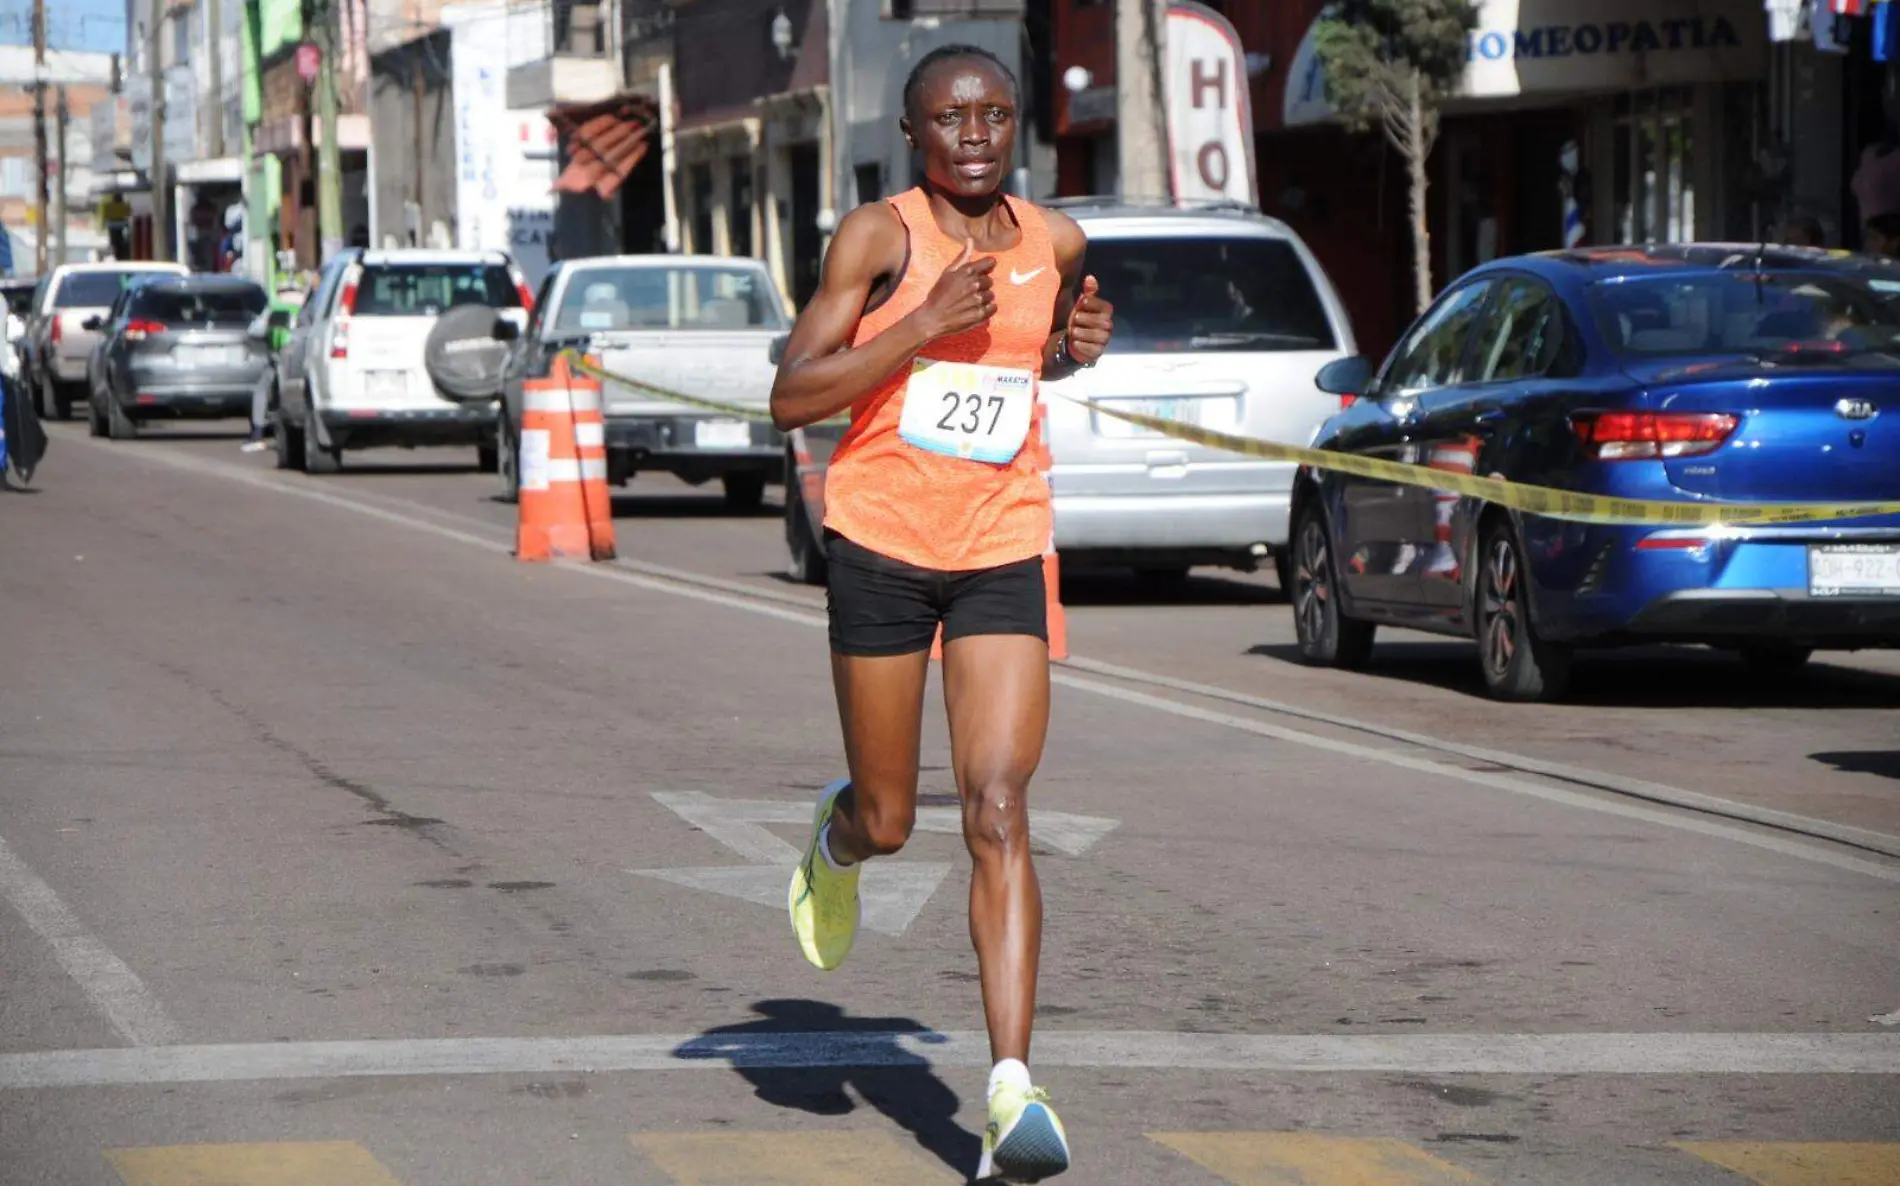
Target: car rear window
[424,290]
[683,298]
[1179,295]
[175,306]
[93,290]
[1779,313]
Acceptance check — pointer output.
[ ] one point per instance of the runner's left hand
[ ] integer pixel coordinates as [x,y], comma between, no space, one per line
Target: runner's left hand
[1091,322]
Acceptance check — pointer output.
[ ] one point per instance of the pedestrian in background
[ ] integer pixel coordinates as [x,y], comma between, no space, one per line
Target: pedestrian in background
[288,300]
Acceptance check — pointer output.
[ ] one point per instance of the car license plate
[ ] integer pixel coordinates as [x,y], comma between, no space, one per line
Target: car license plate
[386,385]
[205,356]
[722,434]
[1200,411]
[1854,570]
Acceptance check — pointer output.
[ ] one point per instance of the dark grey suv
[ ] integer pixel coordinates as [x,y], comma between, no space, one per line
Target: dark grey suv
[176,348]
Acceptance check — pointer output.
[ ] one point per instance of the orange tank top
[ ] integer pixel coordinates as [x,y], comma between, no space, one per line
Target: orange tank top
[942,464]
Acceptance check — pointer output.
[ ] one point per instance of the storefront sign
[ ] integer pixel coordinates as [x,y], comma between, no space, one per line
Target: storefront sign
[1210,120]
[504,180]
[1524,47]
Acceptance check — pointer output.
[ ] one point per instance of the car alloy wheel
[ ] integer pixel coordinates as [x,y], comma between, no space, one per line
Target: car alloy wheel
[1518,665]
[1327,638]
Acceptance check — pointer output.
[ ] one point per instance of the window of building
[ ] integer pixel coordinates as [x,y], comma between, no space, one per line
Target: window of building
[870,182]
[740,218]
[1654,169]
[700,178]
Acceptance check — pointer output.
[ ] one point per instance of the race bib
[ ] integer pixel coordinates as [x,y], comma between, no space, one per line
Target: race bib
[977,413]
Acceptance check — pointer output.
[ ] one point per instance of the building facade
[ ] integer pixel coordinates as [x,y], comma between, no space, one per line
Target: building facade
[1577,122]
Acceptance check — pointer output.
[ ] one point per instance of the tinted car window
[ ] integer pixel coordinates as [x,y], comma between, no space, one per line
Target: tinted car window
[1434,354]
[1522,336]
[1749,313]
[424,290]
[1175,295]
[686,298]
[91,290]
[214,306]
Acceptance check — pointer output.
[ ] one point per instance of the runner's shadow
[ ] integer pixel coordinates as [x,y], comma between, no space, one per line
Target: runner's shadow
[891,1078]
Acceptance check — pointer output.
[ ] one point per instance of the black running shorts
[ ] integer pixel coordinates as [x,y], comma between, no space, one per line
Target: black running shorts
[882,606]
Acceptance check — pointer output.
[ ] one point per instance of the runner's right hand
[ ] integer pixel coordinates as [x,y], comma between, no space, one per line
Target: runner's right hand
[964,296]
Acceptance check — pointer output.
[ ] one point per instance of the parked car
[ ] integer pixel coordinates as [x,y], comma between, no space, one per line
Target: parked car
[175,348]
[1695,373]
[698,325]
[1221,317]
[397,348]
[58,344]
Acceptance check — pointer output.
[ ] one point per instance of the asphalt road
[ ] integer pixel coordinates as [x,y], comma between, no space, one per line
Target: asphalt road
[338,847]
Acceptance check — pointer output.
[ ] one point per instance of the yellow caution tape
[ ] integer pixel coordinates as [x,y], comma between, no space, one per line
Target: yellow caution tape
[1550,503]
[588,367]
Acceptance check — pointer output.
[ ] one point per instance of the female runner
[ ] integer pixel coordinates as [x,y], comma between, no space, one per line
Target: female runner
[937,313]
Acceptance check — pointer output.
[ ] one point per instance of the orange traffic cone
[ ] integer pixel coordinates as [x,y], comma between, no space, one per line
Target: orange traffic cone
[565,510]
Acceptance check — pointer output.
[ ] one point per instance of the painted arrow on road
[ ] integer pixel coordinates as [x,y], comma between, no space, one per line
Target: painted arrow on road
[893,892]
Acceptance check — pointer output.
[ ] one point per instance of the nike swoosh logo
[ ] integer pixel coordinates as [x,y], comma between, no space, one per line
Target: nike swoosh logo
[1016,277]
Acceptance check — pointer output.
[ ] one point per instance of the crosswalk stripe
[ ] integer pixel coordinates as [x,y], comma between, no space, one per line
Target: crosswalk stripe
[837,1158]
[1312,1159]
[1804,1163]
[285,1163]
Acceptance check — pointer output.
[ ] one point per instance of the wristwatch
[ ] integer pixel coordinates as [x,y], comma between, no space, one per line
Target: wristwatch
[1064,358]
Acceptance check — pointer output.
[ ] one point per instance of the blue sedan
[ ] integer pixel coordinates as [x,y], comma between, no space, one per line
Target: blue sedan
[1695,372]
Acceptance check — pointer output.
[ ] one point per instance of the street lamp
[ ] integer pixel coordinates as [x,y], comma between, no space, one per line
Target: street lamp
[782,34]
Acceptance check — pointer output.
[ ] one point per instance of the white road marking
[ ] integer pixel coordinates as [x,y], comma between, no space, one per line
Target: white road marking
[1411,1054]
[114,989]
[751,603]
[1892,1018]
[893,892]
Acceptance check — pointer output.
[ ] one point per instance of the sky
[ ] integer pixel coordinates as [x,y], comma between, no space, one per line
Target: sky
[96,26]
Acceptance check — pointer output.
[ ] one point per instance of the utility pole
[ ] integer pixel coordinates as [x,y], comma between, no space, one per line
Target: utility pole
[416,180]
[161,192]
[1141,136]
[214,45]
[330,154]
[39,134]
[63,217]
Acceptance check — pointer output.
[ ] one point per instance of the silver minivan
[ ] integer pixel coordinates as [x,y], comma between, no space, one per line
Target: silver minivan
[1222,318]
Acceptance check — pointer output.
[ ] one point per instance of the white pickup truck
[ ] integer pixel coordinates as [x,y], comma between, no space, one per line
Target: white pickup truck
[700,325]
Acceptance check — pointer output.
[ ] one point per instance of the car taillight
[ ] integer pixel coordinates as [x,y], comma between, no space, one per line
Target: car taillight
[1638,436]
[345,305]
[527,298]
[1347,401]
[59,328]
[138,331]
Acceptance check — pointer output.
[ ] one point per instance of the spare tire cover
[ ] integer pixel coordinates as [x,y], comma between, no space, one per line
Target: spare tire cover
[463,356]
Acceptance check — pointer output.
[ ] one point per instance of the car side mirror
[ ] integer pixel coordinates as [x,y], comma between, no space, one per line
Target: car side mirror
[507,331]
[91,323]
[776,354]
[1345,376]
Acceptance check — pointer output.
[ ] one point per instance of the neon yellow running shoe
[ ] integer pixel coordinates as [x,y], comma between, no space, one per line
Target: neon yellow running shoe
[823,902]
[1025,1141]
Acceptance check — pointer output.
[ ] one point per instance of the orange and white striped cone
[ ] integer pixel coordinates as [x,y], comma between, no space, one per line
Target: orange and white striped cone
[562,455]
[590,446]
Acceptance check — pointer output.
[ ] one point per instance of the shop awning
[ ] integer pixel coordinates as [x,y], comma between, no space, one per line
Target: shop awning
[605,141]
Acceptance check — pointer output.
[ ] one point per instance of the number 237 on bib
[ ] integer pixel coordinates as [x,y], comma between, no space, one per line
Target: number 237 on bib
[968,411]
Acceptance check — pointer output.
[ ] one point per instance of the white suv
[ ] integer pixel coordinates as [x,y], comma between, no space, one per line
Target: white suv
[367,364]
[1222,318]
